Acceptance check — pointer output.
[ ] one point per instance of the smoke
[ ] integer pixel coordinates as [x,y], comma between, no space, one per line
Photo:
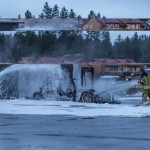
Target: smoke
[113,85]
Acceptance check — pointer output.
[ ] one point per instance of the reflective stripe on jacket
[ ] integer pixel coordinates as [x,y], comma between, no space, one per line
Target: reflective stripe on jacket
[145,81]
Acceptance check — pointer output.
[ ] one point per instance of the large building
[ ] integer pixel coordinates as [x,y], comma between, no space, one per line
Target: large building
[85,24]
[101,66]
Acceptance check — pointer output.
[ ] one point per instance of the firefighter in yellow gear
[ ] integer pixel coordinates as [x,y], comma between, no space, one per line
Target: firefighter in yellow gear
[145,82]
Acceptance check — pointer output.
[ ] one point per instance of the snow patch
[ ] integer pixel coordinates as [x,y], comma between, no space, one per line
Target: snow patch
[44,107]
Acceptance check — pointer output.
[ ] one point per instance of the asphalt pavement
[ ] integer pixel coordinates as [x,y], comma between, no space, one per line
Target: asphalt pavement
[58,132]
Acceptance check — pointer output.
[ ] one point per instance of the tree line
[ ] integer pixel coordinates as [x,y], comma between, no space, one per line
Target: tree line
[94,44]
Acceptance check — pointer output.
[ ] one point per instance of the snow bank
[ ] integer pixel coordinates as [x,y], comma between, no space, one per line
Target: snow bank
[23,106]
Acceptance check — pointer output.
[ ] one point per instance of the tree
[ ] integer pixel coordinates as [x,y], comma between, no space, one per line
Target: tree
[79,17]
[18,46]
[118,51]
[41,15]
[106,44]
[127,47]
[72,14]
[145,48]
[98,16]
[19,16]
[92,14]
[135,46]
[64,13]
[55,12]
[28,14]
[47,11]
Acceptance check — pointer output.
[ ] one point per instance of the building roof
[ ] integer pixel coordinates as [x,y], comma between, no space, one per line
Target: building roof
[10,21]
[50,60]
[112,61]
[71,60]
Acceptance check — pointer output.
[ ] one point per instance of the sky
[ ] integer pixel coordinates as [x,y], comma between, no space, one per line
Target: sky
[108,8]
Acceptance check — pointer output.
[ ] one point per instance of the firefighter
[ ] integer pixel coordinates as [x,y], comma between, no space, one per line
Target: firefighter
[145,82]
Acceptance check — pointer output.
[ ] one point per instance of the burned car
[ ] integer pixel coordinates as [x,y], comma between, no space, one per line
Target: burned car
[92,96]
[87,96]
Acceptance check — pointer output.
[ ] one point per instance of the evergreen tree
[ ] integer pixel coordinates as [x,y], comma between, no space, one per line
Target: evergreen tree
[18,46]
[106,44]
[64,13]
[41,15]
[19,16]
[144,48]
[47,11]
[28,14]
[72,14]
[92,14]
[135,45]
[118,51]
[55,12]
[47,42]
[79,17]
[98,16]
[127,51]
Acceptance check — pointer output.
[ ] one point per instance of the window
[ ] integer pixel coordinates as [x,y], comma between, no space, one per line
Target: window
[112,26]
[88,26]
[113,69]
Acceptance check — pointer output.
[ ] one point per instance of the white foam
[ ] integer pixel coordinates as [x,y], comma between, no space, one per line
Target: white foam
[44,107]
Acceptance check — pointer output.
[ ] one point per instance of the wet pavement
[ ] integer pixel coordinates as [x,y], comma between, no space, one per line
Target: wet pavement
[58,132]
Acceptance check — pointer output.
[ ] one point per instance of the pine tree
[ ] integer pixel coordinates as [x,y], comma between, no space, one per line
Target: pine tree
[145,49]
[106,44]
[98,16]
[55,12]
[72,14]
[135,45]
[41,15]
[28,14]
[92,14]
[19,16]
[64,13]
[79,17]
[118,52]
[47,11]
[127,47]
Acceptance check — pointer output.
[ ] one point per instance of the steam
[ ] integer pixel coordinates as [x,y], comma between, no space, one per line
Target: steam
[114,87]
[26,79]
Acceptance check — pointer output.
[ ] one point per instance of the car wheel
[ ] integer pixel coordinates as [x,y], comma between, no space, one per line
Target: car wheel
[87,97]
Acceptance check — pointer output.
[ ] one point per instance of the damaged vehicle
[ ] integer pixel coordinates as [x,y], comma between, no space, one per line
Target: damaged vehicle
[75,93]
[92,96]
[86,96]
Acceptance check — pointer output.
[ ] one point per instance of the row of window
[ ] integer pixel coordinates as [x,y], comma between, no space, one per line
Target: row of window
[121,69]
[114,26]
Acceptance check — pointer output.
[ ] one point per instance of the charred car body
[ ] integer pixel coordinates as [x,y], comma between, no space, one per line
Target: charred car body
[75,94]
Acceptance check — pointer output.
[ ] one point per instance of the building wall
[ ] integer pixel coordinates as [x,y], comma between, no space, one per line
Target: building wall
[92,25]
[116,69]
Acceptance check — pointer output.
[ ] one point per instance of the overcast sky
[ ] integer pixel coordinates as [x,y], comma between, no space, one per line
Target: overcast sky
[108,8]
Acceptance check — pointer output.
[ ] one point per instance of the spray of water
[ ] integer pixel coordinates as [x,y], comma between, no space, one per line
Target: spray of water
[26,79]
[113,86]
